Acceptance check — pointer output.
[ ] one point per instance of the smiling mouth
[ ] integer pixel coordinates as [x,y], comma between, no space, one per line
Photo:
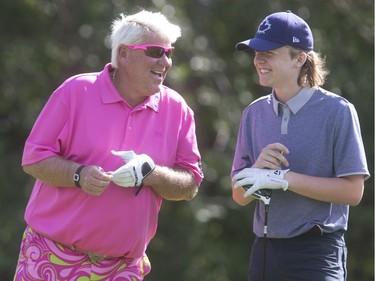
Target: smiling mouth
[158,73]
[264,71]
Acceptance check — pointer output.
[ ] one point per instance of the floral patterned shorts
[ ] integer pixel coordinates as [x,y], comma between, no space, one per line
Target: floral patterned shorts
[43,259]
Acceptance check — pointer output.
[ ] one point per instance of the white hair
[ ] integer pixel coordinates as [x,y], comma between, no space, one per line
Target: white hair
[134,29]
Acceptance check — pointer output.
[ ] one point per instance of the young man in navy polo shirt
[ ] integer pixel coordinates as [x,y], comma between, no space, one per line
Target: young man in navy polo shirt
[303,145]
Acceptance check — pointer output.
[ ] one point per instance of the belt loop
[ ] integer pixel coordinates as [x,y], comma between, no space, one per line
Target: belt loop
[317,230]
[92,256]
[95,257]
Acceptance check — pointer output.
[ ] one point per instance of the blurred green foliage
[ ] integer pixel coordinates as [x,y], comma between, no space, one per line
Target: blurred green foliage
[43,42]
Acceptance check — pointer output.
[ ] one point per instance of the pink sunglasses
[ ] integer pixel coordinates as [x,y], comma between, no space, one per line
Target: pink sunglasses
[153,51]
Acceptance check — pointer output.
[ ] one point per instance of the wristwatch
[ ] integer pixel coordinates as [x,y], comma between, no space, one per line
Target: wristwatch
[77,176]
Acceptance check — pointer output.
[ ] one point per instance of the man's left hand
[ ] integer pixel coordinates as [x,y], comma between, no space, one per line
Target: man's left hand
[137,167]
[260,179]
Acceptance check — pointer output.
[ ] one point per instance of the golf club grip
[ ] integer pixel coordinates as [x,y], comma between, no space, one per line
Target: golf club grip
[263,192]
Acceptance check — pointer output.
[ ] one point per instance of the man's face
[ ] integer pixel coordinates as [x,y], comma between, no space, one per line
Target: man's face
[142,75]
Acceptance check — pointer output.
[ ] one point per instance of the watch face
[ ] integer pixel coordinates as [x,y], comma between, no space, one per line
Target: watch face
[76,176]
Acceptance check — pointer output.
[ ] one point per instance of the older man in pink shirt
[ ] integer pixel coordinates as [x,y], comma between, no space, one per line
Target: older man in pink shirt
[91,210]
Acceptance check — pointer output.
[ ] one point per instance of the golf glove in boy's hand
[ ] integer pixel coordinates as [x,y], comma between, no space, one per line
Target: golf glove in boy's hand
[260,179]
[137,167]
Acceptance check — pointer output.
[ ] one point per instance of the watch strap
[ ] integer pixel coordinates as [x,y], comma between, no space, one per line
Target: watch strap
[77,176]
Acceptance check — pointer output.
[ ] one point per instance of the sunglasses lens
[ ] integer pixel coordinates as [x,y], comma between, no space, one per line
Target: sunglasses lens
[157,52]
[169,53]
[154,52]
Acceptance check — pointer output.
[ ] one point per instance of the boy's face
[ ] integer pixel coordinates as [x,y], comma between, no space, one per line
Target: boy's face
[276,68]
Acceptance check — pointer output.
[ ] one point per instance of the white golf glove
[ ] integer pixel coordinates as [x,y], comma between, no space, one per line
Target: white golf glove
[260,179]
[137,167]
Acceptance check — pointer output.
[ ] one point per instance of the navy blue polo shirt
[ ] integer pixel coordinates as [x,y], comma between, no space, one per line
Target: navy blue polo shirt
[322,132]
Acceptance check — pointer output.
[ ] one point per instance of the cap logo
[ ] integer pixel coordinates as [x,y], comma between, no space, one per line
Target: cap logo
[296,40]
[264,26]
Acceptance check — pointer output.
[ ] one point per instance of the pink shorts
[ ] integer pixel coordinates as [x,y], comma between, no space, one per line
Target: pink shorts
[43,259]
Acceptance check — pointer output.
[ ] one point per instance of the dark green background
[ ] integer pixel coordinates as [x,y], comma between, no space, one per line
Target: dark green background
[44,42]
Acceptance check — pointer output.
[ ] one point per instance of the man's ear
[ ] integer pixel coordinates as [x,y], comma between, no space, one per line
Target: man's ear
[122,51]
[301,59]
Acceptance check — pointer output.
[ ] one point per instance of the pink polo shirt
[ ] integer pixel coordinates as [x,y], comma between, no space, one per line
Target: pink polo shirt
[84,119]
